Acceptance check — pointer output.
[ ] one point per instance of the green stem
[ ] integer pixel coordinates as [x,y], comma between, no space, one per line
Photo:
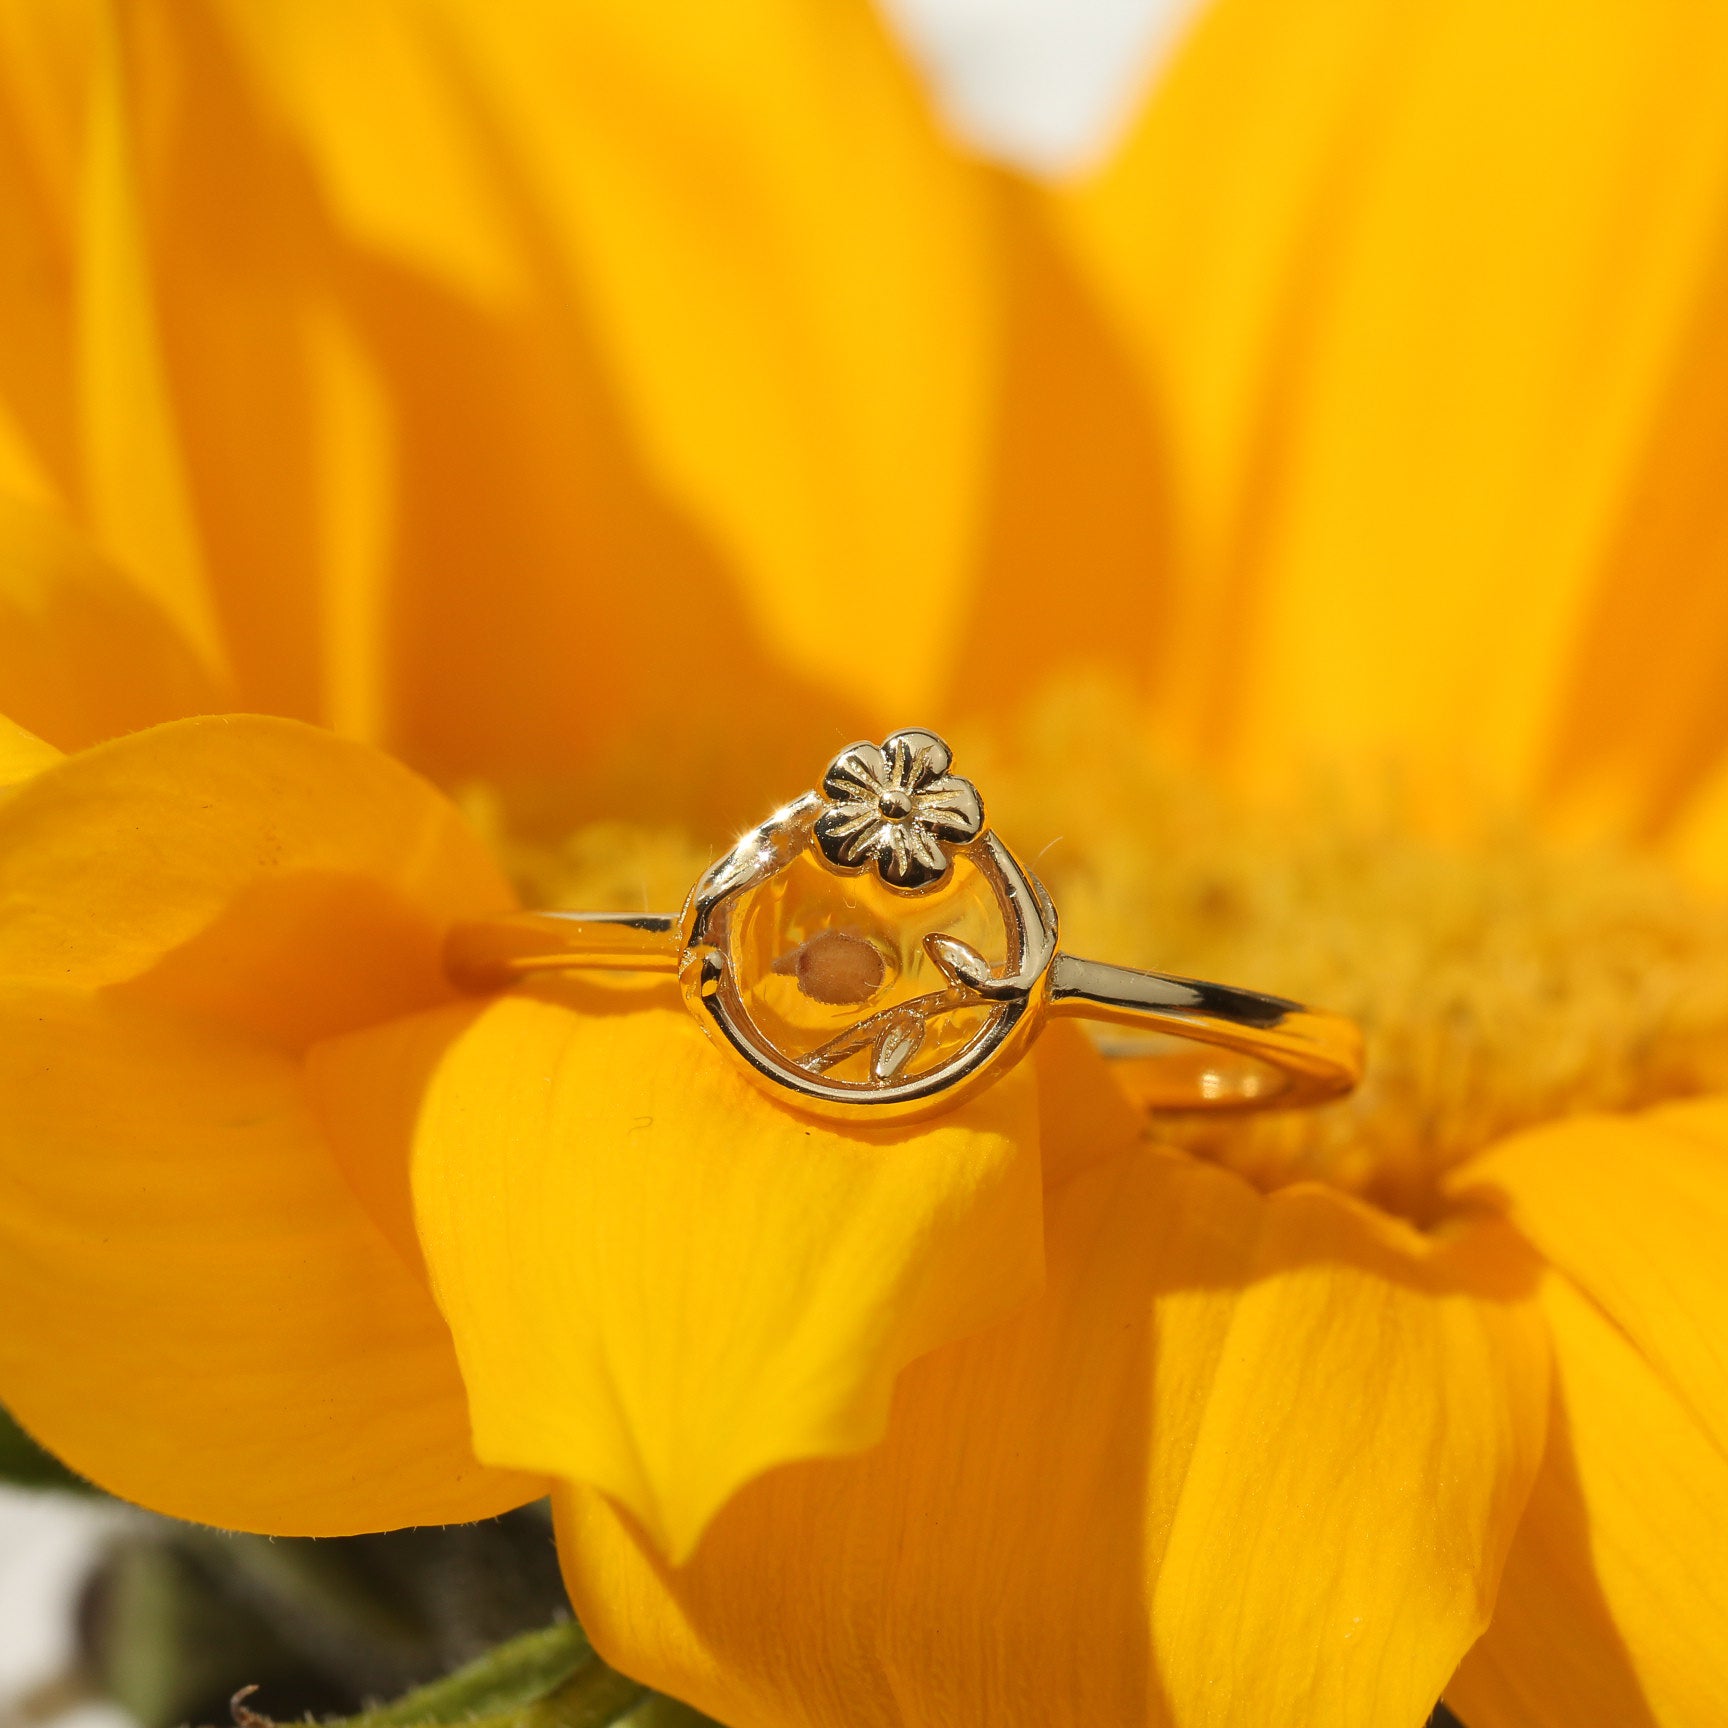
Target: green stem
[498,1686]
[548,1679]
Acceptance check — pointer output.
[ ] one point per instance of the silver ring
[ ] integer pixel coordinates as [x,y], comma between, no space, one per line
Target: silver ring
[804,955]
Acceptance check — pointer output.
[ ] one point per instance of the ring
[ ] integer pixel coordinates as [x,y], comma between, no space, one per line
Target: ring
[874,952]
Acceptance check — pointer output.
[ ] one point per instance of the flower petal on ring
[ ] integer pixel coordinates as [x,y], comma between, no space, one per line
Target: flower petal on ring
[859,772]
[911,859]
[952,807]
[925,755]
[852,816]
[662,1283]
[899,764]
[847,838]
[926,849]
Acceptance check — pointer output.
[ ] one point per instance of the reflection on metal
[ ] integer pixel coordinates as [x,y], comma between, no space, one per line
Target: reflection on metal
[897,810]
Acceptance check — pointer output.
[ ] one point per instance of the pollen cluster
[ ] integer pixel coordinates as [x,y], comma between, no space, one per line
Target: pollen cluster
[1503,978]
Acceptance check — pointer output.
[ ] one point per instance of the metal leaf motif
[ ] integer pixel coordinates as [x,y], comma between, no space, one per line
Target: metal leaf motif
[959,961]
[896,1046]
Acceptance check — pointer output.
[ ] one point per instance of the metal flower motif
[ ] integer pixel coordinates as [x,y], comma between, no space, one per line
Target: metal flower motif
[896,806]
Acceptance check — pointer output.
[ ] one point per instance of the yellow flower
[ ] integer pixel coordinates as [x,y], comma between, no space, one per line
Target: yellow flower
[528,394]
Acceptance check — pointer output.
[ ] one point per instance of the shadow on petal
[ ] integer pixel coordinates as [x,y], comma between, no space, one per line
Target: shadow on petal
[1552,1657]
[663,1282]
[1246,1460]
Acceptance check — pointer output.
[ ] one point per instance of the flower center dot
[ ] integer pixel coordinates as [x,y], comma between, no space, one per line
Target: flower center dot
[895,804]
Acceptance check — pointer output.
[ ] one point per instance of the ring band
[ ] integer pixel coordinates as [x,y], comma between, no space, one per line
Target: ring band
[829,990]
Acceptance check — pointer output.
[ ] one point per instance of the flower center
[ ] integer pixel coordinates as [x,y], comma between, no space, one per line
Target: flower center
[895,804]
[1503,979]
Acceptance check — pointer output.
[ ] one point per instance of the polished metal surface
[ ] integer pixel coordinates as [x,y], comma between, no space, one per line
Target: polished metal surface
[897,809]
[493,953]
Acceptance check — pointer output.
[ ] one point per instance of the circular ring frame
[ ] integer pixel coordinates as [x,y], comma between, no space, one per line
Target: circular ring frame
[1017,998]
[1193,1046]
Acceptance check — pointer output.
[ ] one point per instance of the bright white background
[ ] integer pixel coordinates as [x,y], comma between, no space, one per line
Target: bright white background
[1047,84]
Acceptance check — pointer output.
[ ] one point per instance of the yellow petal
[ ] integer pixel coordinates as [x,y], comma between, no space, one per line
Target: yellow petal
[1614,1609]
[277,426]
[195,1311]
[368,1087]
[133,476]
[1247,1460]
[37,433]
[1612,1200]
[786,263]
[1442,397]
[567,337]
[195,1308]
[662,1283]
[1698,843]
[1074,538]
[255,871]
[180,371]
[1084,1116]
[84,655]
[22,755]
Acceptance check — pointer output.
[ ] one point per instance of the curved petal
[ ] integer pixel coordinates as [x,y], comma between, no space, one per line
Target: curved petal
[1614,1609]
[1444,402]
[256,871]
[196,392]
[915,756]
[195,1309]
[1246,1460]
[911,859]
[84,655]
[419,359]
[88,420]
[1075,542]
[662,1283]
[774,350]
[367,1087]
[135,485]
[195,1312]
[952,807]
[857,775]
[924,851]
[850,835]
[37,438]
[559,323]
